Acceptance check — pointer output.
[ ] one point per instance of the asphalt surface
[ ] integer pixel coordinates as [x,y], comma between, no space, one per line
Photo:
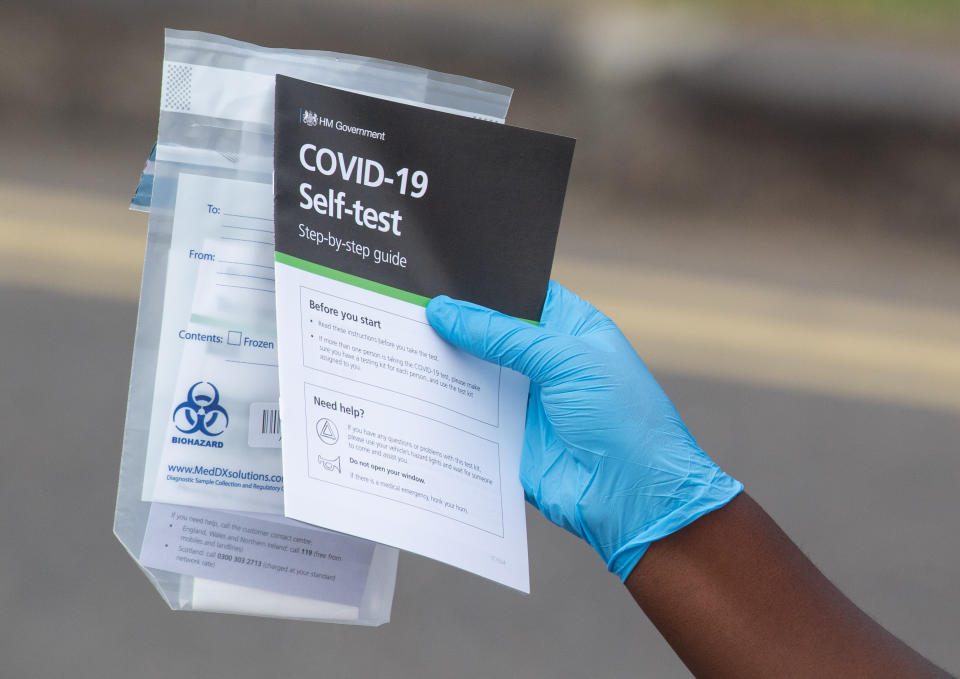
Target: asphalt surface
[866,489]
[815,355]
[864,480]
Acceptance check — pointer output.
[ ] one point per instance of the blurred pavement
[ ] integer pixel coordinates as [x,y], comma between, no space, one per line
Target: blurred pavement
[789,271]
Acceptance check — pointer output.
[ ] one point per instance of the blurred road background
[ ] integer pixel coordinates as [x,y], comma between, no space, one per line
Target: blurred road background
[766,197]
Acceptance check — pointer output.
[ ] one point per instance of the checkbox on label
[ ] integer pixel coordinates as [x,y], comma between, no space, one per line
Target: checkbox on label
[234,337]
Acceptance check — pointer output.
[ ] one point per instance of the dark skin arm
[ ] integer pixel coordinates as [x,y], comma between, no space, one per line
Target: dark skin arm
[735,597]
[608,458]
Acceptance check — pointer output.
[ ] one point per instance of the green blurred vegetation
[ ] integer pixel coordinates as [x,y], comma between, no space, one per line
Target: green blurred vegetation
[937,16]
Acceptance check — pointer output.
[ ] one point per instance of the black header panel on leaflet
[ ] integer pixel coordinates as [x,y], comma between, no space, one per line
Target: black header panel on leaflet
[419,200]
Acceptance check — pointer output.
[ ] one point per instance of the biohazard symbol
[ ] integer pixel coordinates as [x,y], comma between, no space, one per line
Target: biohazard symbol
[201,412]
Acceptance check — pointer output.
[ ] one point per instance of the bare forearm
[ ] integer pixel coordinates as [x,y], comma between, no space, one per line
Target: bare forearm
[735,597]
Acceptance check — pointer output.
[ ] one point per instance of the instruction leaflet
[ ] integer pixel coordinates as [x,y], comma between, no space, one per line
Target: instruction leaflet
[390,433]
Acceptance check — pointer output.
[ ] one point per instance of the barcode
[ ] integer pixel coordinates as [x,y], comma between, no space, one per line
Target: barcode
[270,422]
[263,430]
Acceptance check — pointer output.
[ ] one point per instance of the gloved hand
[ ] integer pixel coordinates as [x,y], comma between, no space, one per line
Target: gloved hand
[606,455]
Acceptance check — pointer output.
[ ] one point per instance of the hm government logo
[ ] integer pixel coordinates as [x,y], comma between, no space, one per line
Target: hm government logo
[310,118]
[201,413]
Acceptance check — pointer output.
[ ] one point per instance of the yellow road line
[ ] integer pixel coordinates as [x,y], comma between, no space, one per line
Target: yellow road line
[681,323]
[70,242]
[779,338]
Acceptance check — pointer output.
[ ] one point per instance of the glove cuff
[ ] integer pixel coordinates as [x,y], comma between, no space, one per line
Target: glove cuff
[716,494]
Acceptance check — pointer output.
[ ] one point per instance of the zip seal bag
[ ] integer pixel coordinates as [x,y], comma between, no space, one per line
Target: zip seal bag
[203,393]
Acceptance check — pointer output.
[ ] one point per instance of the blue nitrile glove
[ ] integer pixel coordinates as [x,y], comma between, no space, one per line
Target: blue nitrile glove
[606,455]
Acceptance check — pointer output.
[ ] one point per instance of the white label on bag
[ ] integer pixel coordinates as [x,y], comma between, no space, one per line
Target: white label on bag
[216,367]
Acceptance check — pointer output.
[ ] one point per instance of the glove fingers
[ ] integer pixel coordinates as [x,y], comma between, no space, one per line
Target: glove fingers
[498,338]
[535,443]
[566,314]
[545,469]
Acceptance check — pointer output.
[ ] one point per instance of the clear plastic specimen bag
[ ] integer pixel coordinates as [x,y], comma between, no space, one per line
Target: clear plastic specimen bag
[200,503]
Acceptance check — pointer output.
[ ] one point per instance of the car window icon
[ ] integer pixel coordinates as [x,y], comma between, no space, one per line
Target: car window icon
[331,465]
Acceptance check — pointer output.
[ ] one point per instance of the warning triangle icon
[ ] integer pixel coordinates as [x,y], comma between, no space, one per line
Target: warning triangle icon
[327,431]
